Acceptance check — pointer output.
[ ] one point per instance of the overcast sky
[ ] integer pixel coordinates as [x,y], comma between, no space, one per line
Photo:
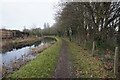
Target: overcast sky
[15,14]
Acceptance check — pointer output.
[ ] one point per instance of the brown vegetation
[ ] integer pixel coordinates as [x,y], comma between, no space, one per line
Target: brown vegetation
[5,33]
[10,44]
[42,48]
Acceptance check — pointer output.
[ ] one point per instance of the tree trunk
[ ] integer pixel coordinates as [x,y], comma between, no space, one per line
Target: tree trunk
[118,43]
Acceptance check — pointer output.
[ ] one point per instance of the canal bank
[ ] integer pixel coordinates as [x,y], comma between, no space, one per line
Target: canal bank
[41,66]
[8,45]
[13,60]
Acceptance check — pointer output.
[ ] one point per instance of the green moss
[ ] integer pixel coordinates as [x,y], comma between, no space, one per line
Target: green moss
[42,66]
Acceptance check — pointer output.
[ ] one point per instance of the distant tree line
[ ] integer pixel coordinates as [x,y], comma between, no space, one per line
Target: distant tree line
[34,31]
[46,31]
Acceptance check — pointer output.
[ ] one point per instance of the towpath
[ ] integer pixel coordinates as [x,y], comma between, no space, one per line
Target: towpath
[64,69]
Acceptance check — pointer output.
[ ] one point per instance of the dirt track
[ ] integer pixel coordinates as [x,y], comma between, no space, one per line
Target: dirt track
[63,69]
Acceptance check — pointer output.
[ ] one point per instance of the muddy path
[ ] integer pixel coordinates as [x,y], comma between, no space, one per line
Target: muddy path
[64,69]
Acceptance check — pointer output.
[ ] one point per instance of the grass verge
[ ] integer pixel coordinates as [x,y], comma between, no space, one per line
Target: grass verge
[85,65]
[42,66]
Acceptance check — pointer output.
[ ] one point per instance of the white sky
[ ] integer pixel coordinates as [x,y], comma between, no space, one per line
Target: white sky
[15,14]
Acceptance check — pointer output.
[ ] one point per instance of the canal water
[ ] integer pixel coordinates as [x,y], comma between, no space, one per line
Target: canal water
[21,53]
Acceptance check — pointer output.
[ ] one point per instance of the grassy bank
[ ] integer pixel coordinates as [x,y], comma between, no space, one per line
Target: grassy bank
[42,66]
[85,65]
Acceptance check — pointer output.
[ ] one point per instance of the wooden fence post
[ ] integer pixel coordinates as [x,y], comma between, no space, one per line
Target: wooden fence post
[84,44]
[0,66]
[70,34]
[1,55]
[93,48]
[116,61]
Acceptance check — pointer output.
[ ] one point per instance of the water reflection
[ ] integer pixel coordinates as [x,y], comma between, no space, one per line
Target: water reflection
[18,54]
[21,52]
